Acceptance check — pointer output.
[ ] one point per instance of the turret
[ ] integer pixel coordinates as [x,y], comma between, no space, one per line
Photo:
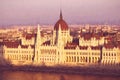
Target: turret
[38,38]
[59,37]
[37,45]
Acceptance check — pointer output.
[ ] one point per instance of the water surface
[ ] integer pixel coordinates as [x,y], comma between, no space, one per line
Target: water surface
[20,75]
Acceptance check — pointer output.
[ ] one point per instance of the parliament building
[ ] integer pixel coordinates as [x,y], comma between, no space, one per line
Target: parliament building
[91,49]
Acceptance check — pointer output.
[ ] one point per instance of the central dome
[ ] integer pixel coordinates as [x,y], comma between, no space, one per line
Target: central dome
[61,22]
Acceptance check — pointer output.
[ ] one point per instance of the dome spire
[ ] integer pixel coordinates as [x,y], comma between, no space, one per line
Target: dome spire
[61,17]
[63,24]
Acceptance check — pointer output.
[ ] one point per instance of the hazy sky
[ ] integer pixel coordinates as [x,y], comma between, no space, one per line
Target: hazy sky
[47,11]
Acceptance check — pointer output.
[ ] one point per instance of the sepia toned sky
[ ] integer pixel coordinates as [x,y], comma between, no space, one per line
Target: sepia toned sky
[47,11]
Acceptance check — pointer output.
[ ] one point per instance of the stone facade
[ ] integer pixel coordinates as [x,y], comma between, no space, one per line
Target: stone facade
[61,50]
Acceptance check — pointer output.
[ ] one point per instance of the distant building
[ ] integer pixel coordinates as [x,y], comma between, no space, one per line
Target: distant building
[91,39]
[61,49]
[118,36]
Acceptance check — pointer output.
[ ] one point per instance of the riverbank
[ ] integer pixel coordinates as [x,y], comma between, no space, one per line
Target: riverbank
[65,70]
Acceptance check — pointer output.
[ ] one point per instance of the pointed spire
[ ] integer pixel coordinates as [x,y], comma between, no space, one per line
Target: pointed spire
[38,40]
[38,29]
[61,17]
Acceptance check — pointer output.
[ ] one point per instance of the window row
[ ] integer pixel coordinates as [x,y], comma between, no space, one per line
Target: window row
[109,54]
[47,56]
[19,57]
[74,53]
[47,59]
[19,51]
[109,57]
[49,51]
[81,59]
[109,62]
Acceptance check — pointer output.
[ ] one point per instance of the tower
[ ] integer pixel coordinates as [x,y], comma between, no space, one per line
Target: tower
[38,37]
[59,38]
[61,26]
[37,44]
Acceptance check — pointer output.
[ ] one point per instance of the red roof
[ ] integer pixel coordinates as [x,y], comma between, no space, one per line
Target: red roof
[70,46]
[83,47]
[32,46]
[46,43]
[88,36]
[109,46]
[24,46]
[12,44]
[61,22]
[15,44]
[28,35]
[95,47]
